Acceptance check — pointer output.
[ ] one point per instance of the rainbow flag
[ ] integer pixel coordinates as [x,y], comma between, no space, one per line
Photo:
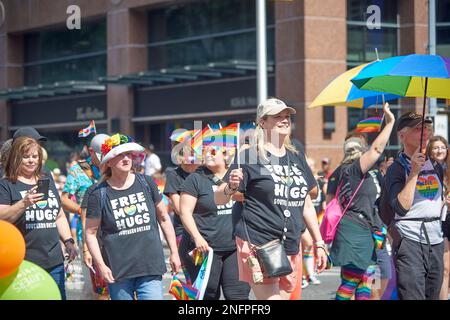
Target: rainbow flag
[225,137]
[205,259]
[181,290]
[369,125]
[160,184]
[197,140]
[83,133]
[179,135]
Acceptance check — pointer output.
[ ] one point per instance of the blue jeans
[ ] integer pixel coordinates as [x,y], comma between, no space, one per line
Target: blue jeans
[146,288]
[59,276]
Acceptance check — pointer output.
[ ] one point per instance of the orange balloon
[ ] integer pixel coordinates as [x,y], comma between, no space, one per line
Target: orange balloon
[12,248]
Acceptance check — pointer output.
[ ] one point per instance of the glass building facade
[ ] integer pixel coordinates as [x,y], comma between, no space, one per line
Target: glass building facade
[63,54]
[196,33]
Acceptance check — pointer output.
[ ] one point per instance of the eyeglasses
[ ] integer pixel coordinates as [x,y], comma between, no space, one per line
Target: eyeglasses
[439,149]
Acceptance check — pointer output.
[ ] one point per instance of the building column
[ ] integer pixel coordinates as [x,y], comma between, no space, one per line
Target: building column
[11,74]
[127,53]
[413,39]
[311,50]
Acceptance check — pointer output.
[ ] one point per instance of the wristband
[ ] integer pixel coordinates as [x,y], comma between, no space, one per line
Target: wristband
[319,243]
[69,240]
[230,189]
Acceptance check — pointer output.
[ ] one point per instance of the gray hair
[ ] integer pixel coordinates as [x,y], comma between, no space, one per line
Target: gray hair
[5,151]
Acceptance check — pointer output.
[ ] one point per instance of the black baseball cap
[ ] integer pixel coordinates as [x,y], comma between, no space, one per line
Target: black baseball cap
[411,120]
[28,132]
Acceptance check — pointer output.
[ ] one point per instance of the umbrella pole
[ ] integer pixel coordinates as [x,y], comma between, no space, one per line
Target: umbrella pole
[423,112]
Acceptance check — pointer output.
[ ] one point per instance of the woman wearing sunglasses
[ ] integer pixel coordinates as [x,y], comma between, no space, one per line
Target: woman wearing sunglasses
[208,225]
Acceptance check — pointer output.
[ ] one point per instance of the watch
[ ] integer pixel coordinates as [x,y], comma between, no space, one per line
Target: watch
[69,240]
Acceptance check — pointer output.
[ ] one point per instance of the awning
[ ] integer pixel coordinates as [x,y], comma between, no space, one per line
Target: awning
[50,90]
[190,73]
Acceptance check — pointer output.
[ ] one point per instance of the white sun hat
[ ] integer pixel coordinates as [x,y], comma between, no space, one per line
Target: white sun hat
[118,144]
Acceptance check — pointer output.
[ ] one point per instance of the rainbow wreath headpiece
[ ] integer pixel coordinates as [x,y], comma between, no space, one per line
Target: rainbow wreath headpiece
[117,144]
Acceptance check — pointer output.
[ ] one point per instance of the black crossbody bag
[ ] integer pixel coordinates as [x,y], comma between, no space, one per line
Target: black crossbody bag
[272,256]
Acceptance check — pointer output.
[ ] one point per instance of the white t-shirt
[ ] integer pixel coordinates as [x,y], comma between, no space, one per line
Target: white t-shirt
[152,164]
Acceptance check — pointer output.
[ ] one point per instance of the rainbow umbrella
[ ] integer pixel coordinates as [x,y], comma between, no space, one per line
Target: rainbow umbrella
[415,75]
[342,92]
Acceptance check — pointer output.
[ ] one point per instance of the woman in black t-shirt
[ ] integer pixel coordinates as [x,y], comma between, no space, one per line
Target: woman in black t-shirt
[39,217]
[128,208]
[210,226]
[275,181]
[353,246]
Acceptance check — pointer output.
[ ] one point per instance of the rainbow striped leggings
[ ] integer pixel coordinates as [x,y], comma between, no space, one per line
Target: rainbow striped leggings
[356,282]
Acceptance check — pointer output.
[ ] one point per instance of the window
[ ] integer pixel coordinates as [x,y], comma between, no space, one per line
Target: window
[361,44]
[443,27]
[206,31]
[59,55]
[362,41]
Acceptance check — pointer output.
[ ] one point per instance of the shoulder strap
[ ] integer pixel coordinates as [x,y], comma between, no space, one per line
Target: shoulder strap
[102,197]
[356,191]
[145,185]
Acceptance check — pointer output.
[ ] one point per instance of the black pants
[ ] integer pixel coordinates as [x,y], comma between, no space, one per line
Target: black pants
[225,274]
[419,270]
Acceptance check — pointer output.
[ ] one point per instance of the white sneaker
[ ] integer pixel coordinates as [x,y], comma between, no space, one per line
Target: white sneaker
[314,280]
[304,283]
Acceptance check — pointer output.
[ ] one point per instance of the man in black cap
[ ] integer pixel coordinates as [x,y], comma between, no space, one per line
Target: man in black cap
[414,192]
[29,132]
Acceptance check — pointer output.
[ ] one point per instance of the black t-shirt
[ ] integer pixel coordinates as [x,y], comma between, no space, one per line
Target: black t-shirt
[213,221]
[129,229]
[333,181]
[84,202]
[362,210]
[37,224]
[317,202]
[264,188]
[174,178]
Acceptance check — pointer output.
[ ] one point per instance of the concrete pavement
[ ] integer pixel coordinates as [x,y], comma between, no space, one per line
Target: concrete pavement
[78,285]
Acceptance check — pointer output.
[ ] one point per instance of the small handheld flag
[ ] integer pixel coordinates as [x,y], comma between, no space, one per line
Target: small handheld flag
[369,125]
[83,133]
[181,290]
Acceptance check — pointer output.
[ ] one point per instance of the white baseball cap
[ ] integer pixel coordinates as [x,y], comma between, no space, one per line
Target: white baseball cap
[272,106]
[96,144]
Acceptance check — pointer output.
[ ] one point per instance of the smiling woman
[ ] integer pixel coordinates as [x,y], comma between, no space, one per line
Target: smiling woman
[275,182]
[42,222]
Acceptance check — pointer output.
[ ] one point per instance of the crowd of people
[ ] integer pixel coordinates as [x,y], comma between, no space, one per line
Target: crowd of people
[112,210]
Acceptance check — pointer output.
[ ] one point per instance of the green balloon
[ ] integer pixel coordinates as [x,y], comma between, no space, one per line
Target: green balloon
[29,282]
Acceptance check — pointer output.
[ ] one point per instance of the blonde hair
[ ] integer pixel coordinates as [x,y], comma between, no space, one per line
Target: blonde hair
[19,147]
[259,137]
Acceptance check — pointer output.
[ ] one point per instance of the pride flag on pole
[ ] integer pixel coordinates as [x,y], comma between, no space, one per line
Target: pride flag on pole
[83,133]
[224,137]
[369,125]
[197,140]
